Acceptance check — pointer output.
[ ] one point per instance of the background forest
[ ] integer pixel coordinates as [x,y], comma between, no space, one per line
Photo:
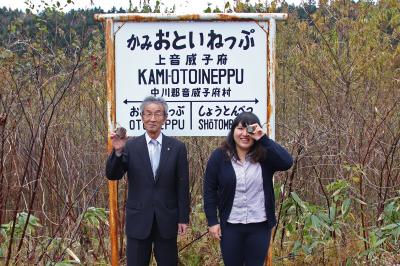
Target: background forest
[338,113]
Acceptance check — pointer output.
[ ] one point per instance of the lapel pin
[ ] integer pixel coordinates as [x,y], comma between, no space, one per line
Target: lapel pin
[168,148]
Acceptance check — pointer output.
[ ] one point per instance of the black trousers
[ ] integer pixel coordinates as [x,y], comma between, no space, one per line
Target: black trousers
[245,244]
[138,251]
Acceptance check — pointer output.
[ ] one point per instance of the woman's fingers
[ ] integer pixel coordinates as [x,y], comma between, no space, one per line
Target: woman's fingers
[257,131]
[215,231]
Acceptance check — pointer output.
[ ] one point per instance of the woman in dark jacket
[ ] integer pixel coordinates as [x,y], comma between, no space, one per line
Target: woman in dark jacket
[238,186]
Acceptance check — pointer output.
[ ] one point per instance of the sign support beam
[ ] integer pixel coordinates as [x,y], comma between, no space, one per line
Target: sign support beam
[153,17]
[271,104]
[112,185]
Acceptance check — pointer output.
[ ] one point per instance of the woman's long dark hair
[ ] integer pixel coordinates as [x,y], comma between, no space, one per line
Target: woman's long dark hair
[257,151]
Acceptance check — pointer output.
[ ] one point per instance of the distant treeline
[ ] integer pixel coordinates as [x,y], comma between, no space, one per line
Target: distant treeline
[16,23]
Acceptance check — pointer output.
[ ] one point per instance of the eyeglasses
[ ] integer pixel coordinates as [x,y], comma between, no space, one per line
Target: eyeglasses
[157,115]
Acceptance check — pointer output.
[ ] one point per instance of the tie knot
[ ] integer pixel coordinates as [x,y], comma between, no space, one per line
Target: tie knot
[154,142]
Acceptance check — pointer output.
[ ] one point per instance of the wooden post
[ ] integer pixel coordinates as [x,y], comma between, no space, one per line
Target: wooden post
[268,260]
[271,103]
[112,185]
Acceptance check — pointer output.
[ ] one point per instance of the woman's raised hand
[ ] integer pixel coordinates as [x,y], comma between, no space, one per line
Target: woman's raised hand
[257,132]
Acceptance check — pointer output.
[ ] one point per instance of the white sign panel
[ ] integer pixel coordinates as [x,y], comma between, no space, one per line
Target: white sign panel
[208,72]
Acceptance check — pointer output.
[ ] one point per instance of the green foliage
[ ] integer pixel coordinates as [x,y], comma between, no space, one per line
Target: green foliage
[65,263]
[21,219]
[387,235]
[204,251]
[210,10]
[33,224]
[93,217]
[312,227]
[356,172]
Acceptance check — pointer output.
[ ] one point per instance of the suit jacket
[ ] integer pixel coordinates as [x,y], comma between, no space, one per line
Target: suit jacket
[220,182]
[165,196]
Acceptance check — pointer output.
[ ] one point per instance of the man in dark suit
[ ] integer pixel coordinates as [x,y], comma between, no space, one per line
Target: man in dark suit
[157,208]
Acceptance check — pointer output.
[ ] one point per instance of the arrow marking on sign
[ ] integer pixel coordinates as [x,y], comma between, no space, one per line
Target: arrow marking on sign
[198,101]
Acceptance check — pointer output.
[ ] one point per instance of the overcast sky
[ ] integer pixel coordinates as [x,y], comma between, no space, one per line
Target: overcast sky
[182,6]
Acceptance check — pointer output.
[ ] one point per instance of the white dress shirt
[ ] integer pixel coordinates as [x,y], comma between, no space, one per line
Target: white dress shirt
[249,201]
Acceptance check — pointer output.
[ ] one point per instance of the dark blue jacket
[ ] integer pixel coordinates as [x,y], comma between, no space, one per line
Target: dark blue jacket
[166,196]
[220,182]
